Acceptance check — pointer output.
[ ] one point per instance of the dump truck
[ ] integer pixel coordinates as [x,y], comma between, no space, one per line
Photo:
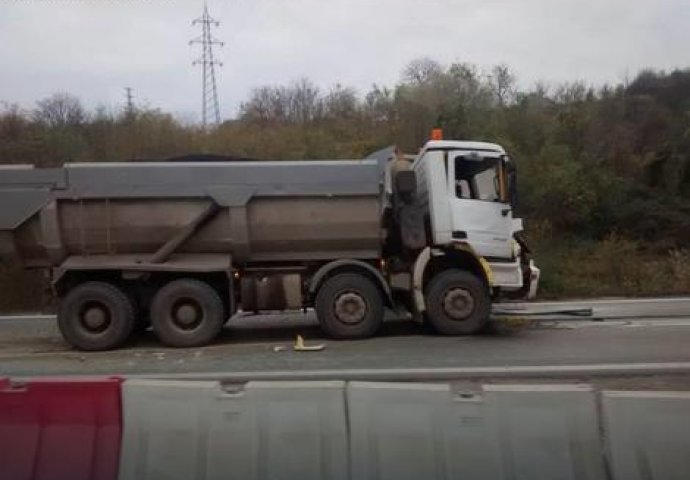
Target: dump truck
[183,245]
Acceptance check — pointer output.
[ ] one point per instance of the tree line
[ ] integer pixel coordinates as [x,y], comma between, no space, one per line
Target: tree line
[604,172]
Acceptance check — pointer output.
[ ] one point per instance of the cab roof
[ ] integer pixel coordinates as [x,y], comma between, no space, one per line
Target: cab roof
[464,145]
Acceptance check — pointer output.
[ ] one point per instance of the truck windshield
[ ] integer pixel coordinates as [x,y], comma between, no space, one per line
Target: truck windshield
[479,179]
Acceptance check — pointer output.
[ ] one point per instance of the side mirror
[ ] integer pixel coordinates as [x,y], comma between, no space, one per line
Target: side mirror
[406,183]
[512,188]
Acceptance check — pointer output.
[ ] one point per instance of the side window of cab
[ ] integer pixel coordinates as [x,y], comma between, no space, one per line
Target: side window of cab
[477,179]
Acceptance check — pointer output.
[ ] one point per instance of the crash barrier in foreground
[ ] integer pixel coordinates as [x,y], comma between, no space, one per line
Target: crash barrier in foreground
[648,434]
[422,431]
[269,430]
[60,429]
[397,431]
[70,429]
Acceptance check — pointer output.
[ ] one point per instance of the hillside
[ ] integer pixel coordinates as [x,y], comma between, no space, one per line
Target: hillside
[604,173]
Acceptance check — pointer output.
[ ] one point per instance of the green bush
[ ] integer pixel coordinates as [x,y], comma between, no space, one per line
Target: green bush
[614,266]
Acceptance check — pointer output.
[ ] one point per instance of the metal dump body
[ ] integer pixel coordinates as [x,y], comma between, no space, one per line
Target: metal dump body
[254,211]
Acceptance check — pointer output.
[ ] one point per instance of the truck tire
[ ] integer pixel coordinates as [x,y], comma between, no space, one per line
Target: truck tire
[187,313]
[457,303]
[349,306]
[96,316]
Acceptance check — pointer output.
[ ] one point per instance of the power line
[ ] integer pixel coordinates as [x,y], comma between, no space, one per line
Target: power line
[210,111]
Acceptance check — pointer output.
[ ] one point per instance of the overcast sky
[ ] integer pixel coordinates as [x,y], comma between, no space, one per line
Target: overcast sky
[95,48]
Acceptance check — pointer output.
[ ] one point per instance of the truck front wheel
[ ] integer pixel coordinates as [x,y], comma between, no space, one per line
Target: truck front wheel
[457,303]
[96,316]
[187,313]
[349,305]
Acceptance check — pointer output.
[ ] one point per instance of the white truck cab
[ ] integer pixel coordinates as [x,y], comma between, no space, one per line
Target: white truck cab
[468,189]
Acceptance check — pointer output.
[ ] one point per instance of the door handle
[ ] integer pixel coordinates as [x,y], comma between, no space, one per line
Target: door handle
[505,211]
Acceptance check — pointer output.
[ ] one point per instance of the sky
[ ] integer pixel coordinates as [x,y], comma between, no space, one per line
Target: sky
[95,48]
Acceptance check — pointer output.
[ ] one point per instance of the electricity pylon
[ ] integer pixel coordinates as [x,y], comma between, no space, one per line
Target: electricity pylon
[210,111]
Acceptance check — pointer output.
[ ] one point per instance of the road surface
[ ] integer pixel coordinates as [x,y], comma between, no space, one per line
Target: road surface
[33,346]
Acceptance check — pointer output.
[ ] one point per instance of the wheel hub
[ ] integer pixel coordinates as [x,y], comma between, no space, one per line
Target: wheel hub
[187,315]
[95,317]
[458,303]
[350,308]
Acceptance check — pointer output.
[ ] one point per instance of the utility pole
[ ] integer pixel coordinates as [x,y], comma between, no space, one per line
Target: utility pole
[129,108]
[210,111]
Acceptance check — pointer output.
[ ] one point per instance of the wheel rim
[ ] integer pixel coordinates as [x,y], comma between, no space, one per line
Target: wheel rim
[187,314]
[350,308]
[94,317]
[458,303]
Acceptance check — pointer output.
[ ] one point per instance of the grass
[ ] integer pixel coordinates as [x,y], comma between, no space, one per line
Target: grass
[613,267]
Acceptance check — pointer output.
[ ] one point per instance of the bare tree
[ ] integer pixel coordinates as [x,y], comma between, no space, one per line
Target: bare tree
[13,122]
[305,101]
[259,106]
[422,70]
[503,82]
[60,109]
[341,102]
[379,104]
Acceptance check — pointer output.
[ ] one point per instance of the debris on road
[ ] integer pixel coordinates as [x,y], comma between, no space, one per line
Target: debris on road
[522,310]
[301,347]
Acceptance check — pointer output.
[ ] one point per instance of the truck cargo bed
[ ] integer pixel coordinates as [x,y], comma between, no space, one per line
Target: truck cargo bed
[266,211]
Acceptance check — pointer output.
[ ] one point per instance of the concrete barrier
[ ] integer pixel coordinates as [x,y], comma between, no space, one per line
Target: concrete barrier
[71,428]
[647,434]
[545,431]
[270,430]
[410,431]
[60,429]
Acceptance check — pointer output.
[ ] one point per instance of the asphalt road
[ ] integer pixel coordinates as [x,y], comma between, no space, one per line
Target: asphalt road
[33,346]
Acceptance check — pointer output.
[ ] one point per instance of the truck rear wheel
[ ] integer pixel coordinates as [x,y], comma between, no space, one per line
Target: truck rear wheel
[349,305]
[187,313]
[457,303]
[96,316]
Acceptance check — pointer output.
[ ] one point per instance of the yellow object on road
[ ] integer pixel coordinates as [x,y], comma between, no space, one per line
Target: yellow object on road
[301,347]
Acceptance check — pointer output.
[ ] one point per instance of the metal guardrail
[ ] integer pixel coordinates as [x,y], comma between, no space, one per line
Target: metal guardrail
[664,307]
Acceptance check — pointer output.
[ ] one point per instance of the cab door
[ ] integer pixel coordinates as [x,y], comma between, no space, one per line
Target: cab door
[480,212]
